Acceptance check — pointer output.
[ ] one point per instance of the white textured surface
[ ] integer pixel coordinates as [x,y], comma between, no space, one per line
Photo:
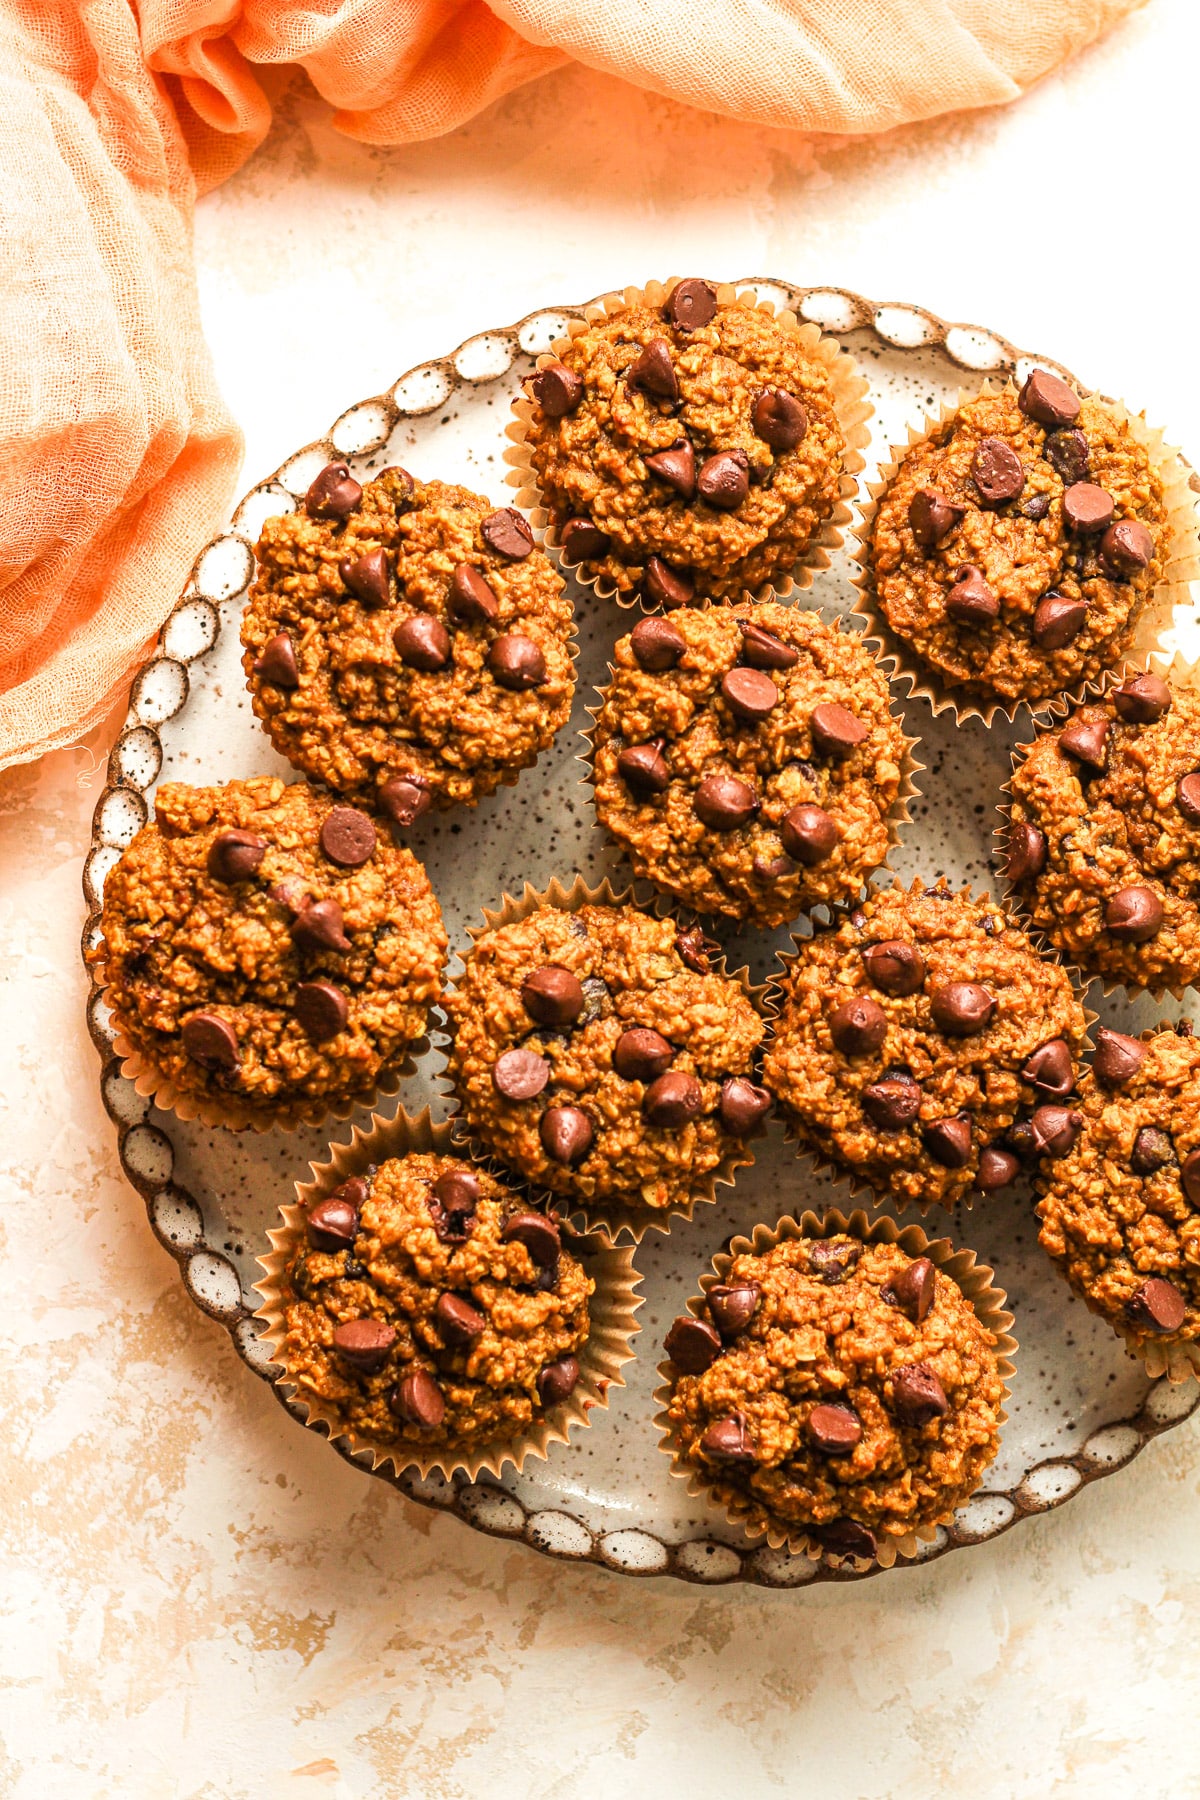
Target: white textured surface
[198,1599]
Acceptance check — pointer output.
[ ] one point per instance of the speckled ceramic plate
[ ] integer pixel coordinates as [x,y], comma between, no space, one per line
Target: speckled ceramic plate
[1080,1408]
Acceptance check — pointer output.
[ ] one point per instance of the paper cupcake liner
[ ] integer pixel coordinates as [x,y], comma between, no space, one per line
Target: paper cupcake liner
[975,1279]
[601,1359]
[621,1220]
[809,1153]
[850,404]
[899,814]
[1156,617]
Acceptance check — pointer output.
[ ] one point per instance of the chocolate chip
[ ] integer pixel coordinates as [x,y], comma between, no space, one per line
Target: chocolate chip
[892,1103]
[656,645]
[418,1400]
[334,494]
[971,601]
[1086,741]
[556,389]
[948,1141]
[1019,1139]
[508,534]
[997,471]
[332,1223]
[367,577]
[364,1343]
[773,868]
[724,479]
[808,834]
[1057,621]
[234,855]
[749,694]
[516,663]
[676,466]
[732,1305]
[1050,1069]
[779,419]
[558,1380]
[348,837]
[520,1074]
[1187,797]
[459,1321]
[763,650]
[917,1394]
[211,1041]
[1142,701]
[1157,1305]
[672,1100]
[832,1259]
[641,1054]
[423,643]
[997,1168]
[1055,1130]
[471,598]
[644,769]
[1152,1150]
[834,1430]
[691,304]
[913,1289]
[932,517]
[845,1537]
[653,372]
[321,1010]
[723,803]
[566,1134]
[321,926]
[452,1202]
[277,664]
[583,542]
[539,1235]
[729,1440]
[666,587]
[1127,546]
[1134,915]
[962,1009]
[1118,1058]
[695,950]
[894,966]
[692,1345]
[1036,507]
[1026,851]
[1189,1174]
[858,1027]
[1087,507]
[1047,399]
[552,995]
[405,799]
[743,1107]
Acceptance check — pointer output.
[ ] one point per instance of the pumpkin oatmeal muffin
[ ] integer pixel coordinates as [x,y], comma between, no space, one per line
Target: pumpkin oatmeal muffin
[747,760]
[1104,835]
[1121,1213]
[843,1389]
[406,643]
[266,949]
[597,1053]
[924,1048]
[1015,546]
[692,448]
[430,1308]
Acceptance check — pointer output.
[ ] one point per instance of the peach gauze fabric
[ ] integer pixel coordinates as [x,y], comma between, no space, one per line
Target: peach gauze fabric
[118,456]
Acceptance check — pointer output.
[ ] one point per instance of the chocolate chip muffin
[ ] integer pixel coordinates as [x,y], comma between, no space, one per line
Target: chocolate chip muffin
[689,448]
[1104,835]
[1121,1213]
[923,1047]
[597,1053]
[268,952]
[429,1309]
[835,1388]
[1016,544]
[747,759]
[405,642]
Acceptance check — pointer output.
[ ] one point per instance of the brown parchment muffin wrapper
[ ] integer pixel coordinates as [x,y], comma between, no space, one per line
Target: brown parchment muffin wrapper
[851,405]
[974,1278]
[814,1158]
[899,815]
[621,1221]
[1179,673]
[601,1358]
[1182,566]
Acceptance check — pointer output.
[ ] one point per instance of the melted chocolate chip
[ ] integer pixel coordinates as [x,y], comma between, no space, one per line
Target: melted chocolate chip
[470,598]
[656,645]
[405,799]
[858,1027]
[367,577]
[733,1305]
[277,664]
[334,494]
[556,389]
[234,855]
[691,304]
[348,837]
[1118,1058]
[508,534]
[1134,915]
[692,1345]
[895,967]
[666,587]
[520,1074]
[1047,399]
[653,371]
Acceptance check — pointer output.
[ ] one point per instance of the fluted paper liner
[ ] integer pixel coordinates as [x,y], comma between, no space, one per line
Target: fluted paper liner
[976,1281]
[601,1359]
[808,1152]
[851,405]
[622,1220]
[899,814]
[1182,566]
